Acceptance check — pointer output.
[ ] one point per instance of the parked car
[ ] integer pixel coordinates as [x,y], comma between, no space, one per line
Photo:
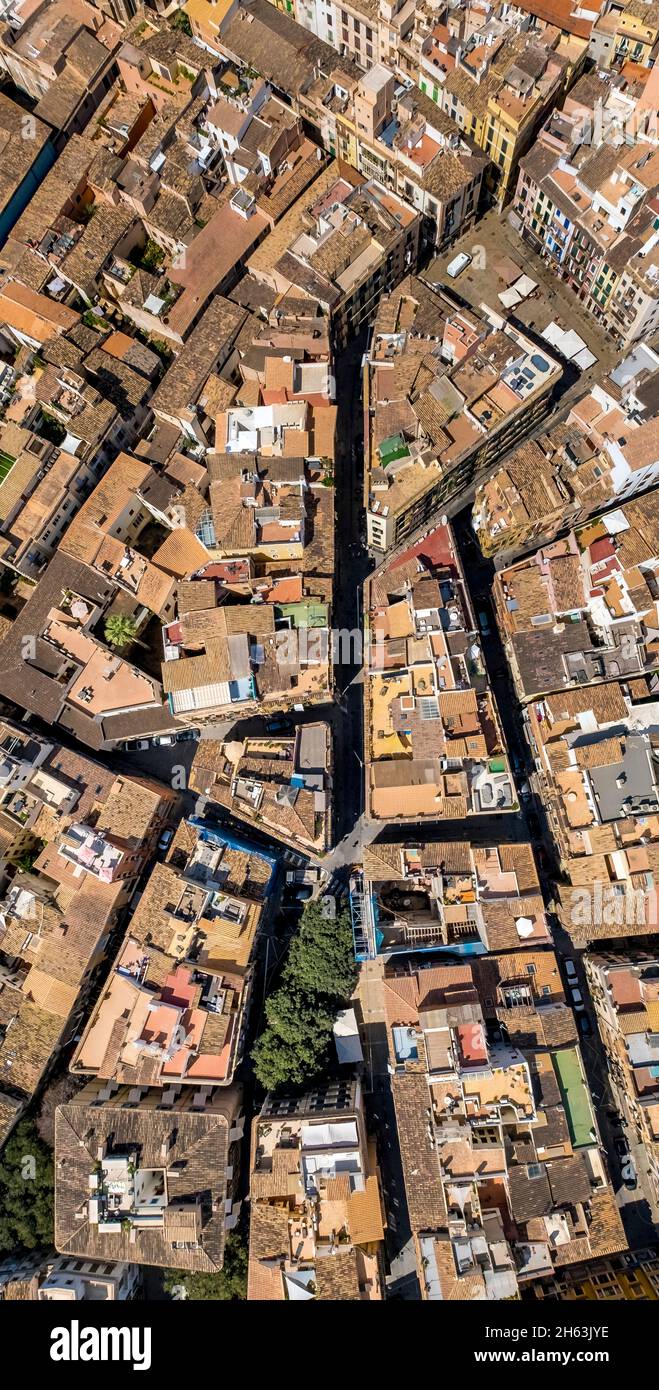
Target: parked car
[186,735]
[570,970]
[629,1174]
[484,624]
[577,999]
[458,264]
[138,745]
[278,726]
[165,840]
[163,741]
[621,1147]
[585,1027]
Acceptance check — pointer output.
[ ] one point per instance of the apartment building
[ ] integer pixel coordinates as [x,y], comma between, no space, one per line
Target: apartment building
[583,609]
[594,750]
[504,1174]
[601,451]
[62,61]
[221,659]
[75,839]
[282,785]
[434,746]
[41,489]
[445,392]
[637,32]
[316,1215]
[500,90]
[390,130]
[207,351]
[449,897]
[624,991]
[54,1278]
[587,204]
[150,1182]
[174,1008]
[344,243]
[54,663]
[631,1275]
[254,556]
[384,126]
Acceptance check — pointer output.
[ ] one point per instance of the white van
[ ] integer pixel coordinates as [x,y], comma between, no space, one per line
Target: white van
[458,264]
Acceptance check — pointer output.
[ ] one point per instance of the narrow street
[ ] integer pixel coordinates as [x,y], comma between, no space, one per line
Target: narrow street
[352,566]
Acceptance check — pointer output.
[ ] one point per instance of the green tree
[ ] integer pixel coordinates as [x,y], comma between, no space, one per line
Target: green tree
[294,1046]
[321,957]
[29,856]
[318,978]
[26,1191]
[120,630]
[152,256]
[230,1284]
[50,428]
[180,21]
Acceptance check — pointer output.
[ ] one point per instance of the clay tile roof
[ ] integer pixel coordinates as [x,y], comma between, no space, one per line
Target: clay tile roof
[336,1276]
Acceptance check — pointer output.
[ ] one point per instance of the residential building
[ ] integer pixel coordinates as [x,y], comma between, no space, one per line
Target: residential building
[583,609]
[174,1008]
[316,1216]
[75,839]
[392,131]
[601,451]
[207,350]
[500,90]
[385,128]
[446,392]
[624,991]
[450,897]
[433,743]
[594,751]
[61,57]
[344,243]
[219,659]
[54,1278]
[632,1275]
[53,663]
[586,201]
[41,489]
[152,1182]
[504,1174]
[282,785]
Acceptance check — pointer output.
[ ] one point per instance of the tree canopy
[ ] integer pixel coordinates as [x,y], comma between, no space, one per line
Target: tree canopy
[319,976]
[229,1284]
[120,630]
[321,959]
[180,21]
[26,1191]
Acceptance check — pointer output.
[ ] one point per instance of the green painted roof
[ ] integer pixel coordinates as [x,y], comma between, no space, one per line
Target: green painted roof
[575,1097]
[304,614]
[392,448]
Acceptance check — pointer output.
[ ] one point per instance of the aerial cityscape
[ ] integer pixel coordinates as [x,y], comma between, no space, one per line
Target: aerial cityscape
[329,931]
